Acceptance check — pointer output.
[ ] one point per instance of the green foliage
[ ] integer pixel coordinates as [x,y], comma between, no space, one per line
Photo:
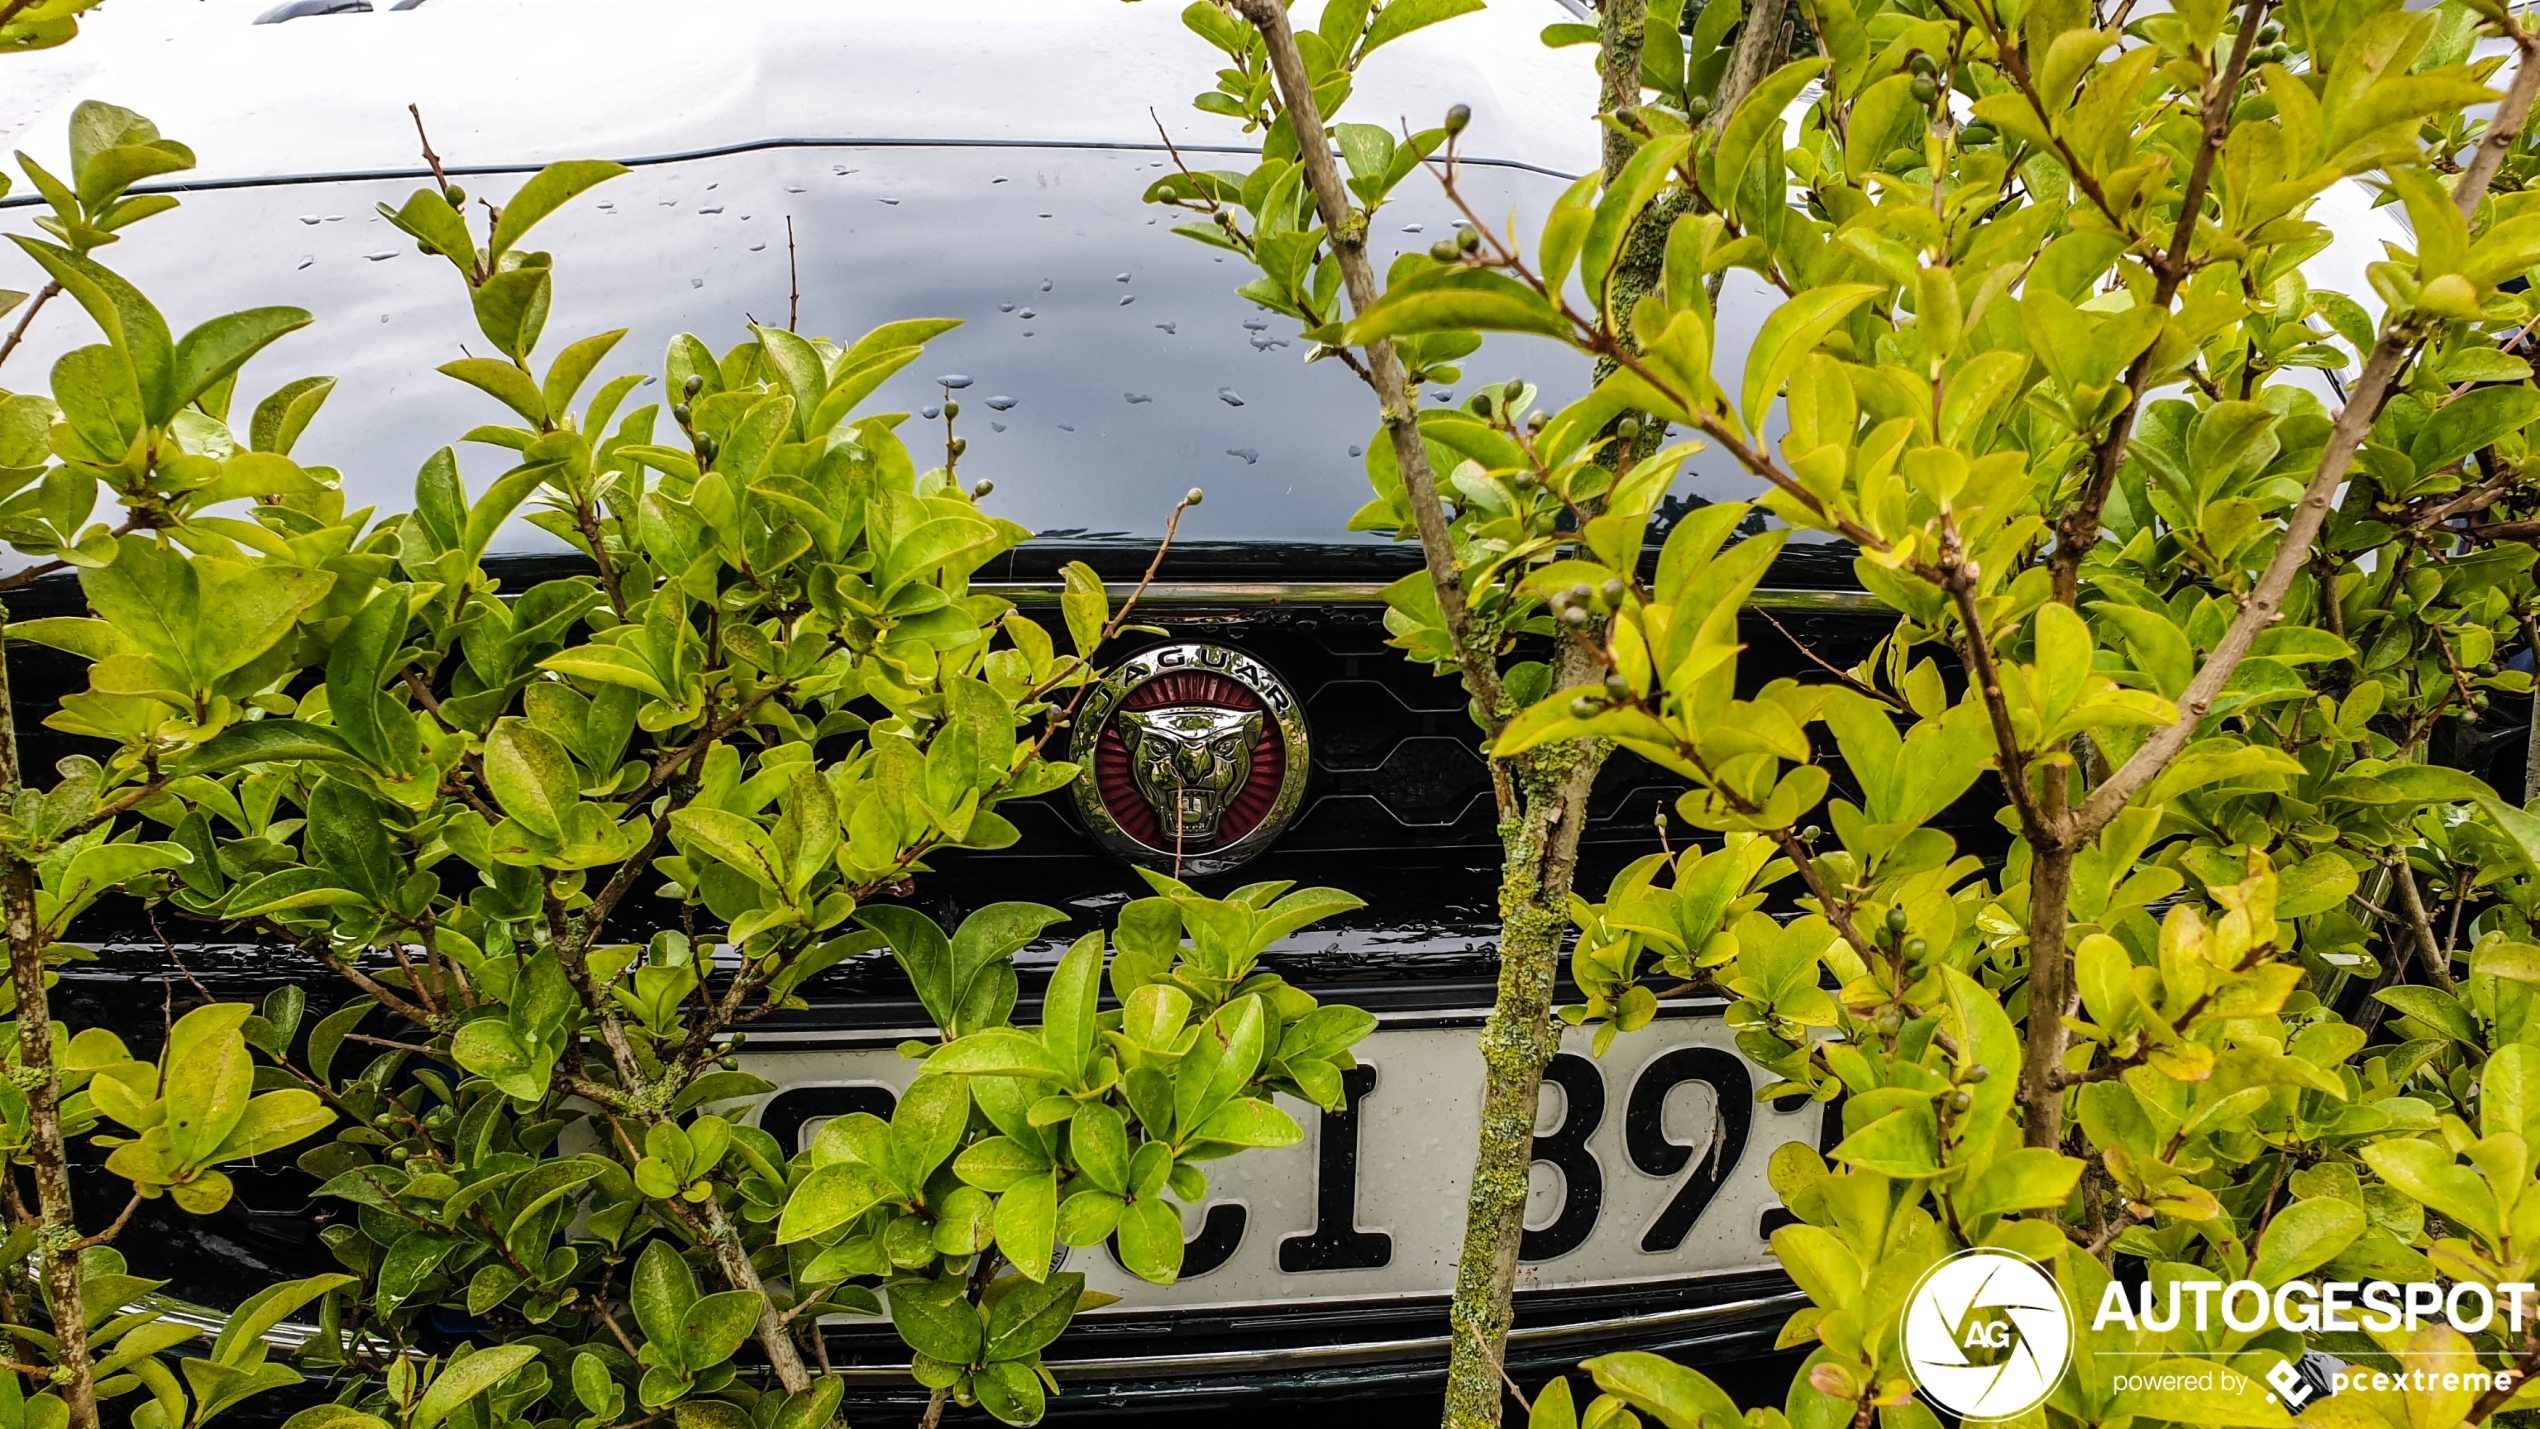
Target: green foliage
[2248,995]
[773,698]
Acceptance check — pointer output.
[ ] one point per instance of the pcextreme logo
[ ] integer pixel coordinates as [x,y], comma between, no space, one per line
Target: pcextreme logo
[1987,1334]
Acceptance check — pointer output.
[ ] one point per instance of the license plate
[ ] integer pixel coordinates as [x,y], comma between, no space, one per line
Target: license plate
[1649,1166]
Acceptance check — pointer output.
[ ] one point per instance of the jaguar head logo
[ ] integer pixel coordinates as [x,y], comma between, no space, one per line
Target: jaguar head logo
[1196,757]
[1188,762]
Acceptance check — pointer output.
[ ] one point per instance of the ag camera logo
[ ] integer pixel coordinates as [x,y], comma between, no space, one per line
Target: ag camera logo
[1987,1334]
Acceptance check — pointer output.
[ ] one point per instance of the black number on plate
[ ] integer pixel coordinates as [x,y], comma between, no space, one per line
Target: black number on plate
[1336,1242]
[1645,1133]
[1566,1150]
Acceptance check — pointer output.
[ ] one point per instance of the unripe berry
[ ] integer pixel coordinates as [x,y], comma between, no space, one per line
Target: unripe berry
[1613,590]
[456,195]
[1457,116]
[960,445]
[694,385]
[1616,687]
[1583,708]
[1580,594]
[951,410]
[1574,616]
[1468,240]
[680,412]
[1443,250]
[1925,89]
[1895,921]
[981,489]
[1194,496]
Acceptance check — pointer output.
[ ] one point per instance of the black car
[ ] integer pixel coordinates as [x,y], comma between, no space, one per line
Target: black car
[804,161]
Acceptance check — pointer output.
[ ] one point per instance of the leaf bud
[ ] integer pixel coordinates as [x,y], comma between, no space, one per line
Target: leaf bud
[1583,707]
[1538,421]
[1613,590]
[694,385]
[1628,428]
[680,412]
[1978,1072]
[1468,240]
[951,410]
[456,195]
[1580,594]
[1891,1018]
[1478,404]
[1513,391]
[1925,89]
[1961,1100]
[1522,479]
[1443,250]
[1627,115]
[1923,64]
[982,489]
[1915,950]
[1697,107]
[1574,616]
[959,445]
[1616,687]
[1194,496]
[2269,33]
[1810,834]
[1895,920]
[1457,116]
[708,446]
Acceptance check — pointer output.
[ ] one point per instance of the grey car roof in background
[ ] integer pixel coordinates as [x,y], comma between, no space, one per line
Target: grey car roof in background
[977,159]
[981,160]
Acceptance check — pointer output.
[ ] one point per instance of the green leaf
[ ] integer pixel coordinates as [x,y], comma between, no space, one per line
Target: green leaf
[1151,1241]
[1791,333]
[1453,299]
[548,190]
[1674,1395]
[715,1326]
[2434,1007]
[2425,1172]
[532,777]
[2304,1236]
[223,345]
[661,1291]
[1027,1224]
[827,1199]
[997,1052]
[1086,606]
[935,1319]
[1027,1318]
[503,382]
[467,1378]
[1404,16]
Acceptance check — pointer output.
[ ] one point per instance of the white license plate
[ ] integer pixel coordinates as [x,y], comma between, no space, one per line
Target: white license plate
[1650,1166]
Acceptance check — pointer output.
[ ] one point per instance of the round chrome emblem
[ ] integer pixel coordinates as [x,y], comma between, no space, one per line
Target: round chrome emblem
[1194,755]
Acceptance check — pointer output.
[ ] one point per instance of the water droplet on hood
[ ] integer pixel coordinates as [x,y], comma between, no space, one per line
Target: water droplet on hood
[998,179]
[840,169]
[1441,394]
[997,426]
[711,208]
[380,257]
[1263,342]
[793,188]
[1256,325]
[1411,228]
[895,203]
[1127,298]
[1005,307]
[954,380]
[1027,314]
[1165,328]
[696,282]
[758,248]
[1121,279]
[310,219]
[1250,456]
[1047,284]
[1229,396]
[1065,428]
[308,259]
[1136,397]
[930,413]
[1002,402]
[1354,450]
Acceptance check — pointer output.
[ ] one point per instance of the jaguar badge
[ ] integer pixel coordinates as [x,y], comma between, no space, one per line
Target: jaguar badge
[1196,756]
